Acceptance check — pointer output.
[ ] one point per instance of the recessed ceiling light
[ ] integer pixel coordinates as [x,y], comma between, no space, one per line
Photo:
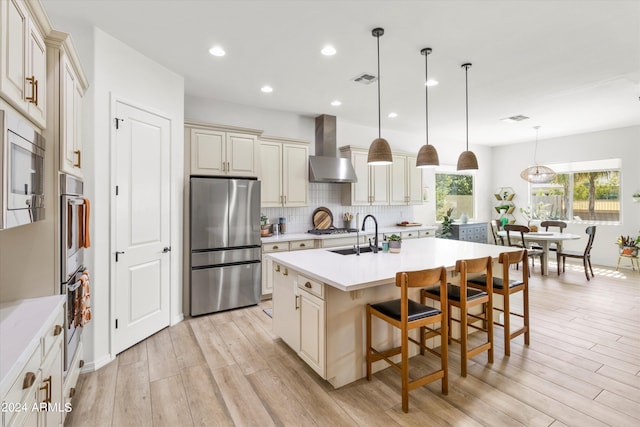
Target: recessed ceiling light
[217,51]
[431,82]
[393,115]
[266,89]
[328,50]
[336,103]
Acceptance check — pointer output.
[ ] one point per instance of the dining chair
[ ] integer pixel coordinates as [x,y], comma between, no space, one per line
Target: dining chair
[531,252]
[407,314]
[465,298]
[513,286]
[585,256]
[496,225]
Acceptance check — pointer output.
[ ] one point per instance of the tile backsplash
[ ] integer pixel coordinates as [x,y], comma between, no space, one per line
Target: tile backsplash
[329,195]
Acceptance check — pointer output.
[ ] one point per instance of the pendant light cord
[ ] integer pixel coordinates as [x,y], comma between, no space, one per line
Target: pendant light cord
[466,95]
[379,121]
[426,94]
[535,150]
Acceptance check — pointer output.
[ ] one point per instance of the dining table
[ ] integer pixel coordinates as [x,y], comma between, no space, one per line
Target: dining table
[544,239]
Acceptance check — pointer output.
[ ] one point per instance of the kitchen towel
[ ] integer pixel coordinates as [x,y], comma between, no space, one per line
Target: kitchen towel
[83,300]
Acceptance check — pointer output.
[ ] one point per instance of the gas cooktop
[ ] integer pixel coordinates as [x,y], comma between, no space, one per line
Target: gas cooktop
[332,230]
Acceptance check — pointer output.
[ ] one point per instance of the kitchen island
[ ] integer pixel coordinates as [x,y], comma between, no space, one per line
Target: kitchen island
[319,299]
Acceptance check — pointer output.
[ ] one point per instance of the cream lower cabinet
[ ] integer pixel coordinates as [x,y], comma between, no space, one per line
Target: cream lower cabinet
[218,151]
[406,181]
[298,305]
[34,398]
[284,172]
[23,59]
[312,311]
[286,323]
[372,187]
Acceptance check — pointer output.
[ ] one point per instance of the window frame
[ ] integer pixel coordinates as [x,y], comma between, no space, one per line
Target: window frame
[451,170]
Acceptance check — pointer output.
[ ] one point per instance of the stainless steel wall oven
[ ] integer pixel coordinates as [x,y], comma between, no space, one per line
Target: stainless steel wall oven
[72,205]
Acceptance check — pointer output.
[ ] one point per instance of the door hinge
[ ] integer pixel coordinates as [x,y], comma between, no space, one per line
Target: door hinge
[116,323]
[118,122]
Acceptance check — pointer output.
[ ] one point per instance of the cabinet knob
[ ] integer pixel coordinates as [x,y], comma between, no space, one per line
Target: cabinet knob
[308,285]
[29,379]
[286,272]
[81,364]
[302,245]
[57,330]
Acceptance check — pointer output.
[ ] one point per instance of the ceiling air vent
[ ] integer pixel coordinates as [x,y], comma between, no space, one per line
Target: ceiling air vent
[517,118]
[365,78]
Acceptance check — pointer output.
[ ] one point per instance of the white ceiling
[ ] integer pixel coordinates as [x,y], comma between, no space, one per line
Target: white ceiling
[571,66]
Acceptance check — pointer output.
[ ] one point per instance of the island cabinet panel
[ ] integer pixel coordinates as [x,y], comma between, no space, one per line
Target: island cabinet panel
[286,324]
[312,330]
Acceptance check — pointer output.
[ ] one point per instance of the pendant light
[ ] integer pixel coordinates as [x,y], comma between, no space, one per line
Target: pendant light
[427,156]
[537,174]
[379,151]
[467,160]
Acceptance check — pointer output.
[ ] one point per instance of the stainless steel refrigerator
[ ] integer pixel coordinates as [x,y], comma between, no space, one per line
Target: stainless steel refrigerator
[225,244]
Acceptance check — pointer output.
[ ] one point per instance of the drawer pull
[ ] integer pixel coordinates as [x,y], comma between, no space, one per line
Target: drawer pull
[286,272]
[81,364]
[277,268]
[72,392]
[47,387]
[302,245]
[29,379]
[275,248]
[308,285]
[79,164]
[57,330]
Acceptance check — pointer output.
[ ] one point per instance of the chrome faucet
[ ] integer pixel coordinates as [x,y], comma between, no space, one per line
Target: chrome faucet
[374,247]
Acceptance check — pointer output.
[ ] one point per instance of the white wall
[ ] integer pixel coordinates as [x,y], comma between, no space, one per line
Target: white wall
[147,85]
[621,143]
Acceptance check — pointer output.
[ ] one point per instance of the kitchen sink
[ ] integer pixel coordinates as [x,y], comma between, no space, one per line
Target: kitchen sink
[352,251]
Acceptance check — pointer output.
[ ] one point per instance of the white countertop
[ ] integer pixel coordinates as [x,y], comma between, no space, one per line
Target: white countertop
[22,323]
[287,237]
[352,272]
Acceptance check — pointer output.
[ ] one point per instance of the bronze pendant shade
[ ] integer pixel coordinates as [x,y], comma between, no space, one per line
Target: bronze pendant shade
[537,174]
[427,156]
[379,151]
[467,160]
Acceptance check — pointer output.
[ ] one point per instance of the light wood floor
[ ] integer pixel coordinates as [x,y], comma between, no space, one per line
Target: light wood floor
[581,369]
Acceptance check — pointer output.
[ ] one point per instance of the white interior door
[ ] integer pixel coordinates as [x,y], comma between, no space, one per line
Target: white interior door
[142,226]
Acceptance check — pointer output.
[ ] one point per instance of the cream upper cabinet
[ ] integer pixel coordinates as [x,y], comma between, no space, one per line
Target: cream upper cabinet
[372,187]
[221,151]
[23,56]
[406,180]
[68,84]
[284,172]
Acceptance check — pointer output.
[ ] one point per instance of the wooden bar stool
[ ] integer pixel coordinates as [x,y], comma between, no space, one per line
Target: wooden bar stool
[507,259]
[466,298]
[406,314]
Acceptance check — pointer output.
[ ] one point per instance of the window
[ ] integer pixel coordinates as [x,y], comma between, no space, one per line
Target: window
[454,190]
[585,191]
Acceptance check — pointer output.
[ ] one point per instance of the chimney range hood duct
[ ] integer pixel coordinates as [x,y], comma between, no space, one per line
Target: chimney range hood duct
[326,166]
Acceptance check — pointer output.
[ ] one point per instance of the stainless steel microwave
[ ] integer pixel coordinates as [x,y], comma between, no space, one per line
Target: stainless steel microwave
[22,178]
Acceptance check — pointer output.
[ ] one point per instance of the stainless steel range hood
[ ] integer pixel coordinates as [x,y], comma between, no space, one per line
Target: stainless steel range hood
[326,166]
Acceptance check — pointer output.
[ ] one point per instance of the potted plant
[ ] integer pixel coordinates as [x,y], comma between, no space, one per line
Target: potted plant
[628,245]
[445,230]
[395,243]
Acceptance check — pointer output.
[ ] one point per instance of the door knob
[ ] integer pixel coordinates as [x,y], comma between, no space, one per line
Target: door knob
[166,249]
